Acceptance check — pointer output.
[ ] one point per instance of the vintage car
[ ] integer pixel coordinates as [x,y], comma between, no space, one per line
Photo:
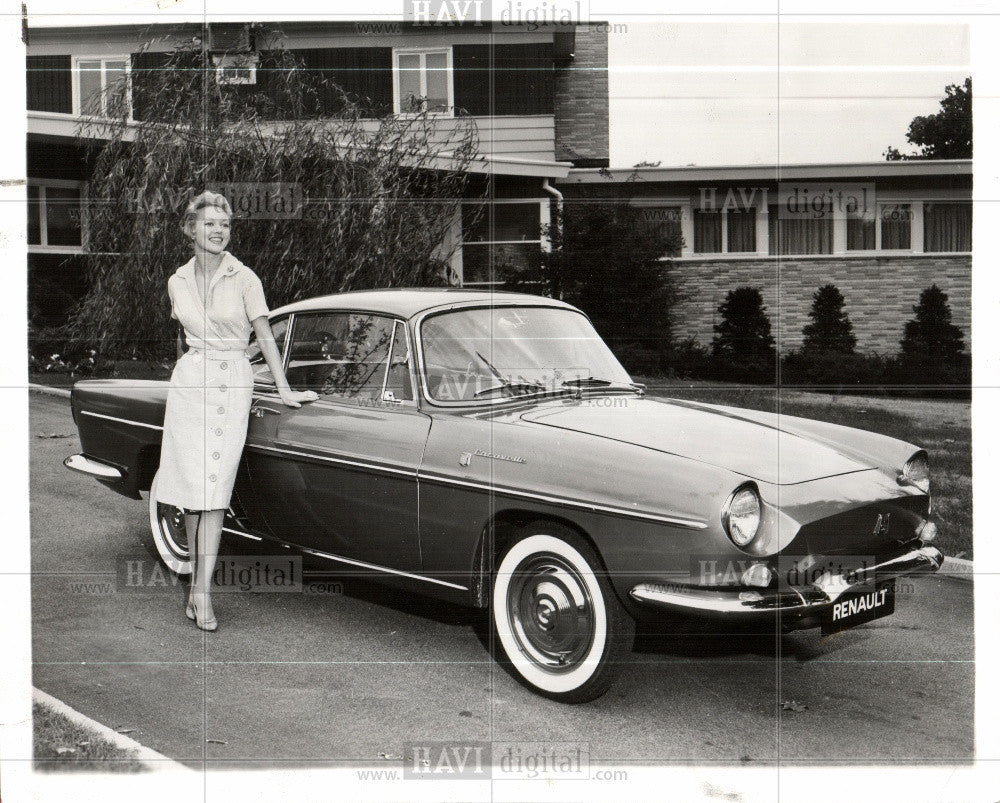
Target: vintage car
[489,449]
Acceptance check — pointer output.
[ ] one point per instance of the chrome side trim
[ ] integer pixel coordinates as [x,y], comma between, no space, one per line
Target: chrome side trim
[121,420]
[691,524]
[331,459]
[363,564]
[240,532]
[377,568]
[93,468]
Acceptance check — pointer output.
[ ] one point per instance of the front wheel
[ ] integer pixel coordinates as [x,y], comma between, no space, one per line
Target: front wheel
[561,629]
[169,533]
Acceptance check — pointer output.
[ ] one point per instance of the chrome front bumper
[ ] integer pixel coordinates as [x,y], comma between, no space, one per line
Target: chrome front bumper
[796,603]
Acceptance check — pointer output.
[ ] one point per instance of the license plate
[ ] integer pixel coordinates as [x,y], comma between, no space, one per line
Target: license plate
[859,606]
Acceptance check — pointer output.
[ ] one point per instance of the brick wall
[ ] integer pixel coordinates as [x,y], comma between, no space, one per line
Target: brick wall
[581,101]
[879,293]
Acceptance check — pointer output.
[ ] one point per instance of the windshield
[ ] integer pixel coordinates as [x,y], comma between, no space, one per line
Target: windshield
[502,352]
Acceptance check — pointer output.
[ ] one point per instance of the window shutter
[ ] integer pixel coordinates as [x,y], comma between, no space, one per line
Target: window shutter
[364,73]
[50,84]
[522,78]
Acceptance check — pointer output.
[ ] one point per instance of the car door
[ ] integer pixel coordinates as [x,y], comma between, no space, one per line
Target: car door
[340,473]
[252,498]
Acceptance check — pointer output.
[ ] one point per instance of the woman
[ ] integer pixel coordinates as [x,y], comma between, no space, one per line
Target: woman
[218,300]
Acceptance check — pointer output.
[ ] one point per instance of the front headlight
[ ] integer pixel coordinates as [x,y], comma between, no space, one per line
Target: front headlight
[741,516]
[917,472]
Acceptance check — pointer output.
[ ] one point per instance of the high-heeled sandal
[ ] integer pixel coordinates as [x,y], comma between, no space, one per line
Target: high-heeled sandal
[191,612]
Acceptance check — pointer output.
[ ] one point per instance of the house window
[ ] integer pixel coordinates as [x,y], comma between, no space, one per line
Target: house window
[947,227]
[726,231]
[707,231]
[236,68]
[423,81]
[895,221]
[889,229]
[741,230]
[506,236]
[100,86]
[55,216]
[799,235]
[860,231]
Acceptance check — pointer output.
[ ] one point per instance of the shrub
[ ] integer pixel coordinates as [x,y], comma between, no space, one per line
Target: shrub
[931,334]
[835,370]
[689,360]
[744,334]
[830,330]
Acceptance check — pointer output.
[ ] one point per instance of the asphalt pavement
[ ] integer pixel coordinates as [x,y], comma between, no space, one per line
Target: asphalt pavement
[351,678]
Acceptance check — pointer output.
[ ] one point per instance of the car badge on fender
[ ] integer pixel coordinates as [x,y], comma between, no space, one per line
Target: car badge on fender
[465,458]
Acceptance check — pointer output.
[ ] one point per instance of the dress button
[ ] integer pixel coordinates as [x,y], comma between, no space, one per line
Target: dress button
[212,477]
[223,366]
[221,410]
[215,455]
[218,430]
[223,388]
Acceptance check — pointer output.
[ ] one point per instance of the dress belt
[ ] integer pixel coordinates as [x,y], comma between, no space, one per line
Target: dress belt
[219,354]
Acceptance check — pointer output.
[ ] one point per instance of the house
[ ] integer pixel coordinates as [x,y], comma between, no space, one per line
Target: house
[539,97]
[880,231]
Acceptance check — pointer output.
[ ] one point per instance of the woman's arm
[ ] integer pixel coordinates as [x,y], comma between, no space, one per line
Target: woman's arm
[265,338]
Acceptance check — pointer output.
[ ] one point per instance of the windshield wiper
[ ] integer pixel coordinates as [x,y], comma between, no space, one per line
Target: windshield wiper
[505,383]
[511,386]
[595,382]
[589,381]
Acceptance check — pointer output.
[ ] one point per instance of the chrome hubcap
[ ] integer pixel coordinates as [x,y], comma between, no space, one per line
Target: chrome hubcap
[550,612]
[172,526]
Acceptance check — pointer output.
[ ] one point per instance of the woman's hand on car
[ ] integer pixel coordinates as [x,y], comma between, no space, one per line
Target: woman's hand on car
[294,398]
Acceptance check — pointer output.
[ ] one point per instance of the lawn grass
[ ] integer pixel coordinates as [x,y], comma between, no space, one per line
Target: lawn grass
[61,744]
[942,427]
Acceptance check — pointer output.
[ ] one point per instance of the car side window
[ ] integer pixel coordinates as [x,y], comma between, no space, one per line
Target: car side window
[340,354]
[258,366]
[397,385]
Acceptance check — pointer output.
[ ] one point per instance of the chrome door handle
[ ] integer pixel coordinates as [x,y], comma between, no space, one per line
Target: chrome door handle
[259,410]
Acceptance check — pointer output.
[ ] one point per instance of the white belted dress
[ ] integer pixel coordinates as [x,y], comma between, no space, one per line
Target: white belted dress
[211,387]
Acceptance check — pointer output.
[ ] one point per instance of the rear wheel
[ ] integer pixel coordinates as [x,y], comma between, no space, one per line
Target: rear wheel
[169,533]
[560,627]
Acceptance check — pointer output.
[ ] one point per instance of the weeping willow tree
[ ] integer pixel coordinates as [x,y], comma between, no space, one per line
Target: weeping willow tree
[338,198]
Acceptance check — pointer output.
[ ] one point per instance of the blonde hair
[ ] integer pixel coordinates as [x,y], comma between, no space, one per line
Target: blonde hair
[202,201]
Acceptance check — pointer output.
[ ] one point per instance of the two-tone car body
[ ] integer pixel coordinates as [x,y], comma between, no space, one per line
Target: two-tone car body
[489,449]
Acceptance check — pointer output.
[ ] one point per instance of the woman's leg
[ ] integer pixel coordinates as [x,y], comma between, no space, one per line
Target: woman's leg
[208,539]
[191,523]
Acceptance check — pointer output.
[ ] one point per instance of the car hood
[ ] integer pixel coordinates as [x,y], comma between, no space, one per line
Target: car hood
[759,447]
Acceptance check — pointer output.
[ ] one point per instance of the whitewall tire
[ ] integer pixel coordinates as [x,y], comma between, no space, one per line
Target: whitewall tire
[169,534]
[560,628]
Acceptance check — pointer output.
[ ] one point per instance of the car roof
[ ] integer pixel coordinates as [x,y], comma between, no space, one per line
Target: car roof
[407,302]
